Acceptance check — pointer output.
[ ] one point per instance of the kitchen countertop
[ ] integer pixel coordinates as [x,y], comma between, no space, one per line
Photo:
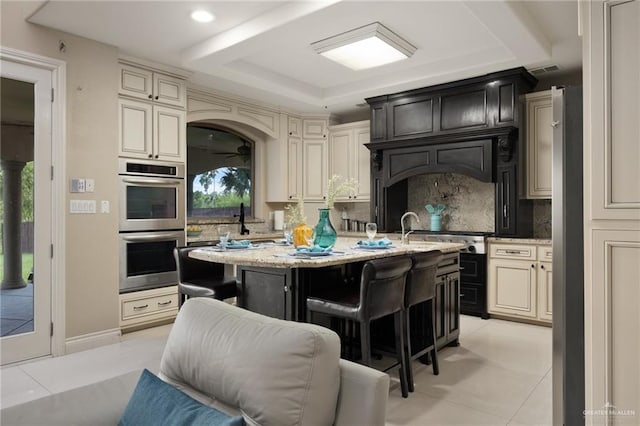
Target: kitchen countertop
[278,256]
[541,241]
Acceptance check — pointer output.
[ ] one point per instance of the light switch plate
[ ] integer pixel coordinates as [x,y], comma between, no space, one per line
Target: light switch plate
[82,206]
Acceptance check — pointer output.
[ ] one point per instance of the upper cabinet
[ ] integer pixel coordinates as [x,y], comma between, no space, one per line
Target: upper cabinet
[314,129]
[486,102]
[539,139]
[152,119]
[149,85]
[350,158]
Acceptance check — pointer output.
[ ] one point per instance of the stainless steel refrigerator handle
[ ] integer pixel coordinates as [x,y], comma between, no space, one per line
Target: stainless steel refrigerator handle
[148,181]
[155,237]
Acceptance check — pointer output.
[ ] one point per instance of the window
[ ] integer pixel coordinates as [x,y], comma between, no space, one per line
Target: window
[219,172]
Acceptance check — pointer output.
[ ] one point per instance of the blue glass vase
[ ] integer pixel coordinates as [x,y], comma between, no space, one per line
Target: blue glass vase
[325,232]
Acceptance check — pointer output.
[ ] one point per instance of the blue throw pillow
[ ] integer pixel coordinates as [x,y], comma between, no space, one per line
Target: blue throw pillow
[155,402]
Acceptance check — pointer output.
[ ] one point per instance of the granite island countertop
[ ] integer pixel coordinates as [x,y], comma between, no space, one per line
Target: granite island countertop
[280,256]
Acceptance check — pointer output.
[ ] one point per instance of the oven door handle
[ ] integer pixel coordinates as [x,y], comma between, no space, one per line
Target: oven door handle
[150,181]
[155,237]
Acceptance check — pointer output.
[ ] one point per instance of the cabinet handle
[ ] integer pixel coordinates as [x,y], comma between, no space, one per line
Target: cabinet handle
[541,266]
[461,268]
[138,308]
[164,303]
[504,211]
[513,252]
[150,96]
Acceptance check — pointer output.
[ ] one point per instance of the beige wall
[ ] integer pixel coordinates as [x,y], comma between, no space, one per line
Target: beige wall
[91,152]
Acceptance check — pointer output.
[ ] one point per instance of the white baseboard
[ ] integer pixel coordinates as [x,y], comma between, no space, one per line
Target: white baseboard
[92,340]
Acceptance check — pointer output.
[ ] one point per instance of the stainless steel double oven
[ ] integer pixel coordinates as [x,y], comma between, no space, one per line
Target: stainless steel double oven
[152,221]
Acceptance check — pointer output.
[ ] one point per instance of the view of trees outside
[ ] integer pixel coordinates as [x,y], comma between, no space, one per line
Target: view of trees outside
[229,186]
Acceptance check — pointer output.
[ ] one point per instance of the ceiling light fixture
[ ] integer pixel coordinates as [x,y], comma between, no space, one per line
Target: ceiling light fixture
[365,47]
[202,16]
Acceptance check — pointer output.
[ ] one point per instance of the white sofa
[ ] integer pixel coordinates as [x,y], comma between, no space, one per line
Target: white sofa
[273,372]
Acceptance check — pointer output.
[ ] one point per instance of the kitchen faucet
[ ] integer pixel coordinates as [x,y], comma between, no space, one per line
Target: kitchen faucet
[404,239]
[243,229]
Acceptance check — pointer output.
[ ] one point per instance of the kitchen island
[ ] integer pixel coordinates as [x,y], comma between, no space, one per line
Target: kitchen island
[273,282]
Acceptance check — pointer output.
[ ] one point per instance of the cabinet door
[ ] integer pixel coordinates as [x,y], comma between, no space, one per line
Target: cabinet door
[169,90]
[314,129]
[294,170]
[362,164]
[539,145]
[315,169]
[295,127]
[545,291]
[410,117]
[135,82]
[506,201]
[135,129]
[341,157]
[440,307]
[169,134]
[453,306]
[513,287]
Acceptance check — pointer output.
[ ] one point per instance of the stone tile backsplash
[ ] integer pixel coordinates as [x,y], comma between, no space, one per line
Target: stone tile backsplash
[542,219]
[470,203]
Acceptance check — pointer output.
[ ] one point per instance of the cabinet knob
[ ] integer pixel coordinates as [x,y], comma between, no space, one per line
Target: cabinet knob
[349,196]
[150,96]
[290,133]
[533,266]
[156,155]
[541,266]
[157,97]
[324,197]
[150,156]
[355,196]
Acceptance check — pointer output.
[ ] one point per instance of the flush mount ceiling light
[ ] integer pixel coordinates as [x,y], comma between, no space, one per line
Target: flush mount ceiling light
[365,47]
[202,16]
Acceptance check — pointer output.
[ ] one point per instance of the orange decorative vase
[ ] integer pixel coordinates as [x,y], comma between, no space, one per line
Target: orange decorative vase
[299,232]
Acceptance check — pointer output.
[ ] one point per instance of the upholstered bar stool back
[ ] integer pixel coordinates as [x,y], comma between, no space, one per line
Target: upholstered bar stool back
[381,293]
[199,278]
[421,287]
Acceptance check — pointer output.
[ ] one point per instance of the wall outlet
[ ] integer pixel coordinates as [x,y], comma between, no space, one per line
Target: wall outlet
[104,206]
[89,185]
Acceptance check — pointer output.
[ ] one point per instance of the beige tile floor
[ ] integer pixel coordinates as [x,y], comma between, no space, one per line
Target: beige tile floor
[499,375]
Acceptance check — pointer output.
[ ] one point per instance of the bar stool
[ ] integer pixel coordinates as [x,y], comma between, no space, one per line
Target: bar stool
[199,278]
[381,293]
[421,287]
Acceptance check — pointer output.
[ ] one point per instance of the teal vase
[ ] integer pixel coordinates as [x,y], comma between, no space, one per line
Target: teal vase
[325,232]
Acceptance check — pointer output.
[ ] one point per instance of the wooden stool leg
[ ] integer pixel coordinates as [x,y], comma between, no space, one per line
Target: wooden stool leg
[399,332]
[408,352]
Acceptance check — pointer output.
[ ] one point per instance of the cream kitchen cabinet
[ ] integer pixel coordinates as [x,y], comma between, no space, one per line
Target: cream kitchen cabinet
[349,157]
[539,141]
[151,131]
[145,84]
[307,159]
[520,280]
[140,308]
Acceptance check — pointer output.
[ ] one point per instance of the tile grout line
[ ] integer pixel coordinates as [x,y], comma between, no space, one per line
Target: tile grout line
[35,380]
[529,395]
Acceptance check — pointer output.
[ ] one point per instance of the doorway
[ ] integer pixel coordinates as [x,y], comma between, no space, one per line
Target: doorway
[26,203]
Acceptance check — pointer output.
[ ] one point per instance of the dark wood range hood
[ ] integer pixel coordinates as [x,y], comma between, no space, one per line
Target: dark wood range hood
[469,127]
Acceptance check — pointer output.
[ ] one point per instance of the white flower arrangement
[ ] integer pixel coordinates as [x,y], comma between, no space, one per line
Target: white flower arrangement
[295,213]
[336,186]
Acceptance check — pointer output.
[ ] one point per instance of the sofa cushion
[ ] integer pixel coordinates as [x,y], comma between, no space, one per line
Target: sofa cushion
[156,402]
[277,372]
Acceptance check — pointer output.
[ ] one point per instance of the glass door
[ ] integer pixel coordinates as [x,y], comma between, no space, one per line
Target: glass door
[25,174]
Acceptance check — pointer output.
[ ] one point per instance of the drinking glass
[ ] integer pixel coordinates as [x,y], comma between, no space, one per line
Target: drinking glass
[371,229]
[224,231]
[310,237]
[287,229]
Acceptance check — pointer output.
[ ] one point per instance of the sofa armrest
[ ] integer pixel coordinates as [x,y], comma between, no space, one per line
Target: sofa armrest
[363,395]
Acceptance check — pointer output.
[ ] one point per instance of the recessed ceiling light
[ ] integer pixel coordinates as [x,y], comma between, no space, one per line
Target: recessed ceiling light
[365,47]
[202,16]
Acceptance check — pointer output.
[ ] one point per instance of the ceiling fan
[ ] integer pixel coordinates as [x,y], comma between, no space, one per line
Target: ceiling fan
[243,151]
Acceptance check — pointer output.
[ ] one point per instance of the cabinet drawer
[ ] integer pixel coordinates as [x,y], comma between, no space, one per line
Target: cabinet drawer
[148,305]
[545,254]
[505,251]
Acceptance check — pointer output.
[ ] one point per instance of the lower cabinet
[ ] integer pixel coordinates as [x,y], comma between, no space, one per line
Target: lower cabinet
[149,306]
[447,300]
[519,280]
